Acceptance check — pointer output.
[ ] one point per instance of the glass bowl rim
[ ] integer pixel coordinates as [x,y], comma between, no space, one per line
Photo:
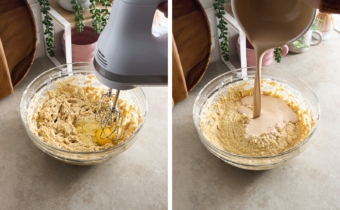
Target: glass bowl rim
[40,141]
[224,152]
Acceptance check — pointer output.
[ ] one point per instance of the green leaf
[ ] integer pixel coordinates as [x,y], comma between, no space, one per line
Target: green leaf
[277,53]
[222,26]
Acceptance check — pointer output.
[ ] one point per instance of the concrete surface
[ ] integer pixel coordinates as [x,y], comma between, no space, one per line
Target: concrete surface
[135,179]
[309,181]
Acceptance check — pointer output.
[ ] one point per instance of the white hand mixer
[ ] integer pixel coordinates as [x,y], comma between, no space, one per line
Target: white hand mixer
[128,55]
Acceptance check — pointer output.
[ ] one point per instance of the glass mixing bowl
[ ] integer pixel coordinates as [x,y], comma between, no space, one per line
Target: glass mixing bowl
[44,82]
[216,87]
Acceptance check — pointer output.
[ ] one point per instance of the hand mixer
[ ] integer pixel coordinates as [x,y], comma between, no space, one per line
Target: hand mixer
[128,55]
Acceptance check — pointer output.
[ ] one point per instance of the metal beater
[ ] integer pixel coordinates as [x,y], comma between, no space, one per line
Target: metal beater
[128,55]
[108,115]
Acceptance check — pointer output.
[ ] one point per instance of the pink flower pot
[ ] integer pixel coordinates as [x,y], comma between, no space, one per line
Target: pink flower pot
[268,57]
[83,44]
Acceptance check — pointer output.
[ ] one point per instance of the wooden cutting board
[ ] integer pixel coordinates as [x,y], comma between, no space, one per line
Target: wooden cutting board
[192,37]
[19,40]
[5,76]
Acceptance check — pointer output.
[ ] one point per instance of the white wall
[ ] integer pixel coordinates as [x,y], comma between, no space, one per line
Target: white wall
[336,21]
[209,9]
[38,21]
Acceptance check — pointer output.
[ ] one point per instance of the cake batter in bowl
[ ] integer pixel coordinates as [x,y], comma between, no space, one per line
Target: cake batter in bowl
[58,111]
[223,127]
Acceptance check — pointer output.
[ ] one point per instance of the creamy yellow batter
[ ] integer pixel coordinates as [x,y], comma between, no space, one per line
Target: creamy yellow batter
[226,128]
[65,117]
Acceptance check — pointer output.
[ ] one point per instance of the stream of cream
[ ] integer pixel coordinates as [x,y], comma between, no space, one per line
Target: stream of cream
[269,24]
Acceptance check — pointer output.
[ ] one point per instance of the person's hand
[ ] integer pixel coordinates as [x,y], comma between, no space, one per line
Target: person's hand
[313,3]
[163,7]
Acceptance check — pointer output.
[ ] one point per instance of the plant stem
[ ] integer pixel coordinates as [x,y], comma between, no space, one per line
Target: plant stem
[277,53]
[100,16]
[45,7]
[222,26]
[78,15]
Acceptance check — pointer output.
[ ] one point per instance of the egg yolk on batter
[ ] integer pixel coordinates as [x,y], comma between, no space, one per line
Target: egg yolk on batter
[102,139]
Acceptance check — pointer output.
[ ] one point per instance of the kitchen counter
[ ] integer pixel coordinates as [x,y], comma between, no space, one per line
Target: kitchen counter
[309,181]
[135,179]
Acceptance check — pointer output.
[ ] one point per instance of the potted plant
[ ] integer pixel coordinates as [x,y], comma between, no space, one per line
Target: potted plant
[100,18]
[268,57]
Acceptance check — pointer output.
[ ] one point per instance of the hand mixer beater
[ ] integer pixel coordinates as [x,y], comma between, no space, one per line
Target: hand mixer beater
[109,115]
[128,55]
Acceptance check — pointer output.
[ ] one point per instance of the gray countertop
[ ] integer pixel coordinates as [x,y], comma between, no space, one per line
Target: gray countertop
[135,179]
[309,181]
